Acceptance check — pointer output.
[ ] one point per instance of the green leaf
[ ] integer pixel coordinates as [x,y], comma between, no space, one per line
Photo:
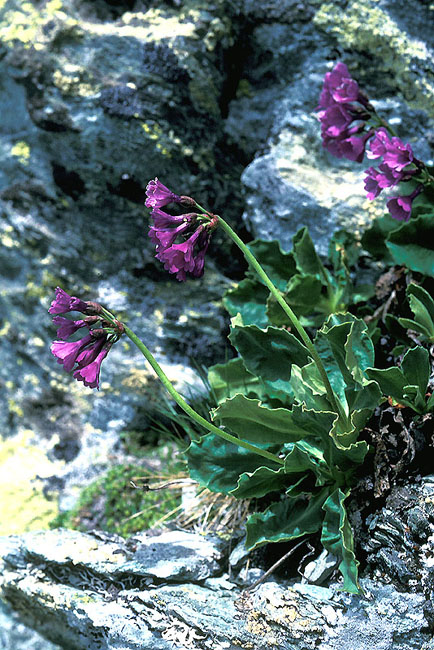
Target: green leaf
[305,393]
[412,245]
[259,483]
[303,295]
[287,519]
[374,238]
[337,537]
[249,299]
[305,255]
[416,367]
[344,250]
[346,350]
[279,266]
[390,380]
[363,397]
[256,423]
[416,327]
[229,379]
[416,291]
[217,464]
[422,306]
[406,385]
[269,354]
[359,351]
[305,457]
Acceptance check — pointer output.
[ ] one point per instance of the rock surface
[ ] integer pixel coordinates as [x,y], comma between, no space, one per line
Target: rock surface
[89,591]
[216,97]
[213,97]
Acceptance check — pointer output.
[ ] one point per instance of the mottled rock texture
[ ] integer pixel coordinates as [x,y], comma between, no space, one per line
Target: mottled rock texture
[83,591]
[217,98]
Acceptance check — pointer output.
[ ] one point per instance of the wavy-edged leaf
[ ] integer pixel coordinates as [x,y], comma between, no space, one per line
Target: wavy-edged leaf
[248,299]
[359,351]
[416,368]
[217,464]
[406,385]
[278,265]
[303,295]
[337,537]
[306,258]
[229,379]
[304,457]
[390,380]
[305,393]
[374,238]
[287,519]
[422,306]
[260,482]
[412,244]
[269,353]
[256,423]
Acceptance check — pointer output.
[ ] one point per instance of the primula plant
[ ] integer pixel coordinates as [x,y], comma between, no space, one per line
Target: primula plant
[289,427]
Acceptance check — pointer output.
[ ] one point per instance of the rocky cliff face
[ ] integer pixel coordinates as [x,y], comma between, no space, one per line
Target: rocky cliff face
[217,99]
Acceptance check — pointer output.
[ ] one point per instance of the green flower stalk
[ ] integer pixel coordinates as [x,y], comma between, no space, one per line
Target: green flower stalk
[187,408]
[188,257]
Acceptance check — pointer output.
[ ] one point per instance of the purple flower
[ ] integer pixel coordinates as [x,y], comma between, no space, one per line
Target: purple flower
[398,155]
[159,195]
[379,143]
[67,326]
[63,302]
[378,179]
[199,260]
[165,238]
[372,186]
[395,153]
[67,352]
[164,220]
[353,148]
[400,206]
[89,373]
[338,87]
[88,355]
[338,110]
[335,120]
[182,259]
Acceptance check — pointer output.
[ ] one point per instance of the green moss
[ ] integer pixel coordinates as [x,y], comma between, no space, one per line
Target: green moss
[112,504]
[366,28]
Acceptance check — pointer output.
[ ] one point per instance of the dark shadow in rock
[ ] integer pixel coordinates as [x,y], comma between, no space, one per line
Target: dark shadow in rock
[69,182]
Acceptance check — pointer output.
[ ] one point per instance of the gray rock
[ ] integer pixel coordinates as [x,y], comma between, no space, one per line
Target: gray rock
[321,568]
[238,555]
[384,619]
[291,180]
[16,636]
[82,591]
[175,556]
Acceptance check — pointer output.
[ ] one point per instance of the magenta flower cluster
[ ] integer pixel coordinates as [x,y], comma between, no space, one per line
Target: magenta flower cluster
[341,105]
[84,356]
[399,165]
[181,241]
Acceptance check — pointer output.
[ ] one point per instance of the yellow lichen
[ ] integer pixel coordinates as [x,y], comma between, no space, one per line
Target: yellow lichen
[22,21]
[21,150]
[22,465]
[365,27]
